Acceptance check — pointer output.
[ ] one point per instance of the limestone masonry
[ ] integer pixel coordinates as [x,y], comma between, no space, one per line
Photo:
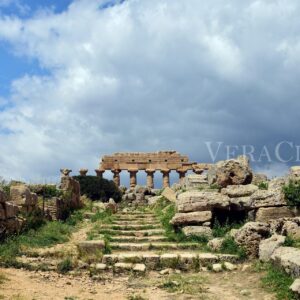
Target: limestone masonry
[163,161]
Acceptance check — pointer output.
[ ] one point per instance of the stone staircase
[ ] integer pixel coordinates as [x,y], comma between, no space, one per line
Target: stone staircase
[138,243]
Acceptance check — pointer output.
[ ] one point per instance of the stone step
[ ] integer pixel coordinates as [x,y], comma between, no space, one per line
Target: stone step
[136,222]
[135,217]
[184,261]
[140,233]
[130,227]
[136,213]
[153,246]
[138,239]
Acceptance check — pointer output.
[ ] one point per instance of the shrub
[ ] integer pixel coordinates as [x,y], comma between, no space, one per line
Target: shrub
[65,266]
[229,246]
[292,193]
[97,188]
[221,230]
[263,186]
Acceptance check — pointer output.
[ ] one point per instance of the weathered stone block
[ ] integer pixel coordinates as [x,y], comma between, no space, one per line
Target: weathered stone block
[197,231]
[169,194]
[250,236]
[289,259]
[230,172]
[20,195]
[91,247]
[234,191]
[265,214]
[268,198]
[201,201]
[295,287]
[198,217]
[11,210]
[195,181]
[268,246]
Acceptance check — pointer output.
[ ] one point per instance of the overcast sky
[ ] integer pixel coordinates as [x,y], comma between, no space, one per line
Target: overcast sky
[80,79]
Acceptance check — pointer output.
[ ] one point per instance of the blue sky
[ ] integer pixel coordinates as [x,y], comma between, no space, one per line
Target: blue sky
[80,79]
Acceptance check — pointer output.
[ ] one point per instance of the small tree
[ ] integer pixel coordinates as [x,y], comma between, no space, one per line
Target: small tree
[97,188]
[292,193]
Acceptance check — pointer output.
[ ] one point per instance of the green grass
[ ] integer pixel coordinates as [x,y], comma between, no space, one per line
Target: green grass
[136,297]
[263,185]
[277,281]
[290,242]
[221,230]
[104,217]
[65,266]
[47,235]
[229,246]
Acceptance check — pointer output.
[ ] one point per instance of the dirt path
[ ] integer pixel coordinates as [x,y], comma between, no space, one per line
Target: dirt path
[26,285]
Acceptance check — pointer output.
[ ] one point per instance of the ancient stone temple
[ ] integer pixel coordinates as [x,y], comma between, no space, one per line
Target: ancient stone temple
[162,161]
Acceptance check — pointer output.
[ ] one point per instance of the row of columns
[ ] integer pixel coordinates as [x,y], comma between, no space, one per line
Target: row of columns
[150,177]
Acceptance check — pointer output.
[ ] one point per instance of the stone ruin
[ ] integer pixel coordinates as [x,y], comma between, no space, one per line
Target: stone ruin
[162,161]
[21,202]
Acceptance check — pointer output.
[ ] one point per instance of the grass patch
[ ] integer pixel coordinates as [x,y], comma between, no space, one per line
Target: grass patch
[65,266]
[290,242]
[220,230]
[187,284]
[47,235]
[103,217]
[277,281]
[263,185]
[229,246]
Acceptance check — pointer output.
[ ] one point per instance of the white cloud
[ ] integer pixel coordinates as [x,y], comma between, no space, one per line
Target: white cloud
[148,75]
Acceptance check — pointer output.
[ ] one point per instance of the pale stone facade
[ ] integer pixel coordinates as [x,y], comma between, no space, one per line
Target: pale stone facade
[163,161]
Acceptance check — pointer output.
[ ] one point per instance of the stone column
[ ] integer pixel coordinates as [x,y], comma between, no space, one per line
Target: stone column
[116,177]
[99,173]
[181,176]
[83,172]
[132,174]
[150,176]
[166,178]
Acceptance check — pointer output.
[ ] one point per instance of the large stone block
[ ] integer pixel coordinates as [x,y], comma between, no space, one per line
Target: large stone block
[197,231]
[169,194]
[289,259]
[234,191]
[268,198]
[268,246]
[198,217]
[91,247]
[250,236]
[11,210]
[230,172]
[21,195]
[195,181]
[265,214]
[201,201]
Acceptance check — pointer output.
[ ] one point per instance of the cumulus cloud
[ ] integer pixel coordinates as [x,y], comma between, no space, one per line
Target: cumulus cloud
[146,76]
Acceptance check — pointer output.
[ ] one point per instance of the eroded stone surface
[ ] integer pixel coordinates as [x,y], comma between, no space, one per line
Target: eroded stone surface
[198,217]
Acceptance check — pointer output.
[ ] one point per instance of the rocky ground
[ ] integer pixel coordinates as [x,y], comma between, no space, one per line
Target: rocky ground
[26,285]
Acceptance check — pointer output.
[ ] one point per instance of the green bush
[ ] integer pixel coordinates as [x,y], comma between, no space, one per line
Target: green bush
[65,266]
[263,185]
[292,193]
[96,188]
[229,246]
[45,190]
[221,230]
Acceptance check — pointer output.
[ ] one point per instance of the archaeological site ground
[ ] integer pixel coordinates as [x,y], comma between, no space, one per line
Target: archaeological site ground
[220,232]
